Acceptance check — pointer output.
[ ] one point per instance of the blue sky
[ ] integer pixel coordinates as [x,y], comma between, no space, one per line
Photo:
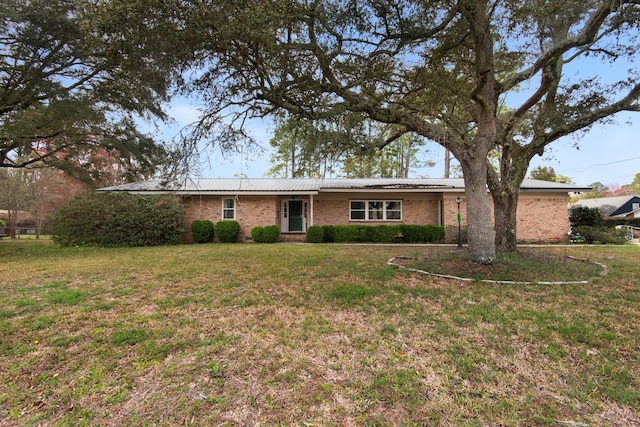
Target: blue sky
[609,154]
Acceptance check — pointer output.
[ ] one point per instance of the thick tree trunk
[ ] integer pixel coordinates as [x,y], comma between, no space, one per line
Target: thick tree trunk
[505,206]
[480,232]
[505,191]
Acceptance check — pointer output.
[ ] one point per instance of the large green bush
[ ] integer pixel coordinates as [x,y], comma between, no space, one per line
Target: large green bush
[202,231]
[591,217]
[118,219]
[227,231]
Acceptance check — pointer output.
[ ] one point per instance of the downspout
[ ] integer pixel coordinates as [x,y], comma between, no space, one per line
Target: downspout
[310,222]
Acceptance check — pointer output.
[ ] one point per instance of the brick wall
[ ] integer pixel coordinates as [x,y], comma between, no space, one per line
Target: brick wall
[541,217]
[333,209]
[251,211]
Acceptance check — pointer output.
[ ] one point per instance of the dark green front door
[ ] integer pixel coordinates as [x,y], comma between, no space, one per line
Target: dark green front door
[295,215]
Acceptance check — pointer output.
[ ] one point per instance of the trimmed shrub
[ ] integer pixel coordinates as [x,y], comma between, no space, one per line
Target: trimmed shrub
[375,233]
[350,233]
[315,234]
[271,234]
[202,230]
[384,233]
[329,233]
[268,234]
[413,233]
[118,219]
[435,233]
[256,234]
[227,231]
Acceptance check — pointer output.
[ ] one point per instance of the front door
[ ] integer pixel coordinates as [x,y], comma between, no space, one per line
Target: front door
[295,215]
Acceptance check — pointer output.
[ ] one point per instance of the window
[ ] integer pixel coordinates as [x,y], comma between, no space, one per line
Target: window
[228,209]
[375,210]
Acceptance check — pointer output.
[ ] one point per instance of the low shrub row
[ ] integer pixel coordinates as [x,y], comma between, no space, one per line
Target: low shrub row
[407,233]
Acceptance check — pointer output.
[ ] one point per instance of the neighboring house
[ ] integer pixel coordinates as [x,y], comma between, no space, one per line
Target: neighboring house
[296,204]
[613,207]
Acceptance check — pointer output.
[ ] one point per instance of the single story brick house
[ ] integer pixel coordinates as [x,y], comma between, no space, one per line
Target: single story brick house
[296,204]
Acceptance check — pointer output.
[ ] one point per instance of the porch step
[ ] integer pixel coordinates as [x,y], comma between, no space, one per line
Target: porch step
[293,237]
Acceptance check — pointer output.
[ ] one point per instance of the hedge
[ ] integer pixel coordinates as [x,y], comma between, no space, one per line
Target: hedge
[202,230]
[375,233]
[227,231]
[422,233]
[118,219]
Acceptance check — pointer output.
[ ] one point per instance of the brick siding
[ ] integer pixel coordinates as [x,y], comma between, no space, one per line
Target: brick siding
[541,217]
[251,211]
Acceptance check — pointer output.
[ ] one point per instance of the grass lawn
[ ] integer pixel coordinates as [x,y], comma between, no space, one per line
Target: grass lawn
[308,335]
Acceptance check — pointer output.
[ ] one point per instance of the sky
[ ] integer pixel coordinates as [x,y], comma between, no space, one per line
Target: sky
[609,154]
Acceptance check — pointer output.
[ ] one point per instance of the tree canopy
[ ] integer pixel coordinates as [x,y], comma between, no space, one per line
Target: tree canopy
[346,146]
[547,173]
[446,70]
[72,86]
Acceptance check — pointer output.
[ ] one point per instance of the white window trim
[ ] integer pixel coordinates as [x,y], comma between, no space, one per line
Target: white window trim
[224,209]
[366,210]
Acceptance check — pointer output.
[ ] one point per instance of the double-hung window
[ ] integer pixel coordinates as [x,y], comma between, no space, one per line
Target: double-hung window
[375,210]
[228,209]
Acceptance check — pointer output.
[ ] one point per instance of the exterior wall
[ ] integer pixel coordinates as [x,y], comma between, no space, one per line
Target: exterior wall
[251,211]
[333,209]
[541,216]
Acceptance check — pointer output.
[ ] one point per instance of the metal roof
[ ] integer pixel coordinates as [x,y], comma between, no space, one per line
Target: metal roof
[607,205]
[313,186]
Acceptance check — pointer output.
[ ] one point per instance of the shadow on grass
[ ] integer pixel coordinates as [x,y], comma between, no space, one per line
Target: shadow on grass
[521,267]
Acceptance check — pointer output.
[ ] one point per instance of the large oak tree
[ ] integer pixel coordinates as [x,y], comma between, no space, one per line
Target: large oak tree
[74,77]
[443,69]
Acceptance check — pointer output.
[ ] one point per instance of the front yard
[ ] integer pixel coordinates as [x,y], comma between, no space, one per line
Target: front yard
[308,335]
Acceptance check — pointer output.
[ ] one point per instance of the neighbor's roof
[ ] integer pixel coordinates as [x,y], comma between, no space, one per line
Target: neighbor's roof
[607,205]
[313,186]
